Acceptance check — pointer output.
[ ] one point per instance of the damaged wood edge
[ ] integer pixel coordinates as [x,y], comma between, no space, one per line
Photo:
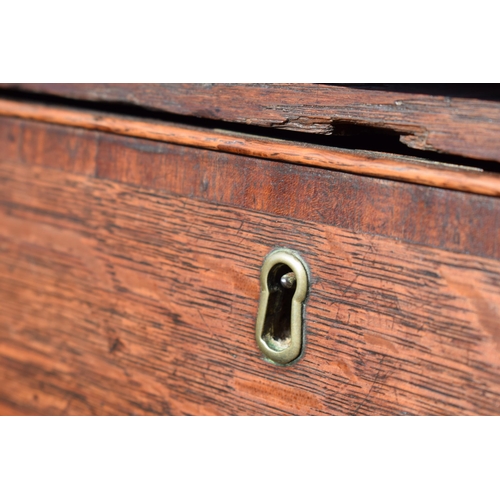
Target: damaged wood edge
[467,127]
[361,163]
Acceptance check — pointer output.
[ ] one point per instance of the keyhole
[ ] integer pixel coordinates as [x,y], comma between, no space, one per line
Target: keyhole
[280,327]
[277,325]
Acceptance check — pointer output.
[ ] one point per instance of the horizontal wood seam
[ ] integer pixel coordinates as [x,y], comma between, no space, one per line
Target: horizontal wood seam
[329,158]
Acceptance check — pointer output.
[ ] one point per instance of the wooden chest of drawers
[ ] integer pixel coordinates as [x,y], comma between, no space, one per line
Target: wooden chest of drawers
[131,244]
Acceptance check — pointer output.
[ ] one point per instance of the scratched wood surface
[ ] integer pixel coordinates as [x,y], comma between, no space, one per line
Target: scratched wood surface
[122,292]
[445,123]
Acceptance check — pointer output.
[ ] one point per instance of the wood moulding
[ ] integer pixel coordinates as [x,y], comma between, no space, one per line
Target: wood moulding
[359,162]
[467,127]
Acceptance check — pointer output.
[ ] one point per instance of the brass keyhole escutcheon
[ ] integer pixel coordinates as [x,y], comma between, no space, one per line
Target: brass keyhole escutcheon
[284,284]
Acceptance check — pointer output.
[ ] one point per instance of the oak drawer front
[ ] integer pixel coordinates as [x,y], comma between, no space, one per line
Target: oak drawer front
[129,283]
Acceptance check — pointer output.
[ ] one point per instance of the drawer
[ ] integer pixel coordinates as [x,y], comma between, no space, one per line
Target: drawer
[130,265]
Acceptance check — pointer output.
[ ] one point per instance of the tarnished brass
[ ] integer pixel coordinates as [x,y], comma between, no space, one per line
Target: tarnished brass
[284,283]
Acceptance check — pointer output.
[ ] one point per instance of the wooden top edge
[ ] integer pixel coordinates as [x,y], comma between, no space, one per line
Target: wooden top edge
[467,127]
[361,163]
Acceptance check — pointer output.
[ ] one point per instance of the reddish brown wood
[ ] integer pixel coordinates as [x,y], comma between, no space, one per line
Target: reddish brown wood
[467,127]
[363,163]
[116,299]
[454,221]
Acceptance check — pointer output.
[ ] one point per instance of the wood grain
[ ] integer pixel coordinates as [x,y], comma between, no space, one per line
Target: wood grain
[449,220]
[466,127]
[116,299]
[362,163]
